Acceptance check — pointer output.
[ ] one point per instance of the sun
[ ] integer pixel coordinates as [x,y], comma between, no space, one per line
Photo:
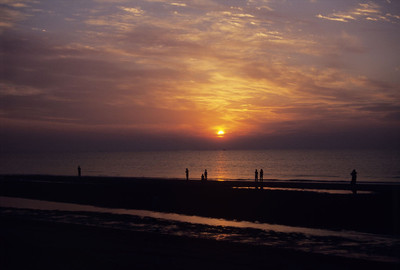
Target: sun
[220,133]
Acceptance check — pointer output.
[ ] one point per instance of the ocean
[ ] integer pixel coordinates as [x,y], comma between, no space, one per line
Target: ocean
[313,165]
[324,165]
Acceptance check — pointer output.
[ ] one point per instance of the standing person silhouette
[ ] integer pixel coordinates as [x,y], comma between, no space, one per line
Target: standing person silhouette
[256,175]
[261,175]
[202,177]
[187,174]
[79,171]
[205,174]
[353,177]
[353,181]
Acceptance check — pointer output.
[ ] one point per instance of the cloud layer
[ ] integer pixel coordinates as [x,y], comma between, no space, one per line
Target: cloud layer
[265,68]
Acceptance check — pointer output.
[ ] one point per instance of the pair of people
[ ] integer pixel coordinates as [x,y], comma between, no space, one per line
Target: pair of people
[261,175]
[203,176]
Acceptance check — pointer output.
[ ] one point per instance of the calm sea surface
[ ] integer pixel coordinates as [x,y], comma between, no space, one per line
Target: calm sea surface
[372,166]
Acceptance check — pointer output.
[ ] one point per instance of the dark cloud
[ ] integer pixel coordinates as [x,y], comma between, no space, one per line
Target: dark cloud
[74,85]
[384,111]
[393,116]
[48,140]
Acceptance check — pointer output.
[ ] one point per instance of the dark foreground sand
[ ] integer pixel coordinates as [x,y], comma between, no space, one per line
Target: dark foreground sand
[41,245]
[45,245]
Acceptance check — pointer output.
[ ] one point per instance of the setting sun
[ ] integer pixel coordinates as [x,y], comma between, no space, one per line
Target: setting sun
[220,133]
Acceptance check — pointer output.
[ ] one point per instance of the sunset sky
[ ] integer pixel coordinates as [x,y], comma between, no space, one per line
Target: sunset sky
[160,74]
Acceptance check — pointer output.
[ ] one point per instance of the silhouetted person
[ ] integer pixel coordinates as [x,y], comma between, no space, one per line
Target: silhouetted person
[353,181]
[187,174]
[205,174]
[79,171]
[353,177]
[256,175]
[202,177]
[261,175]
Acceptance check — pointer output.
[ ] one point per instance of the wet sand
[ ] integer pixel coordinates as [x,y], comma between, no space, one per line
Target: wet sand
[48,245]
[377,212]
[27,244]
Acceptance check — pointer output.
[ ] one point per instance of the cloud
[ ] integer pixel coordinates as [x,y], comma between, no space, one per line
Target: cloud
[136,11]
[363,11]
[337,17]
[250,68]
[178,4]
[9,15]
[13,90]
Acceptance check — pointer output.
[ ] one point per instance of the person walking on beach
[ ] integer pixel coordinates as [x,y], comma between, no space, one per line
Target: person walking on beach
[256,175]
[353,177]
[187,174]
[205,174]
[353,181]
[79,171]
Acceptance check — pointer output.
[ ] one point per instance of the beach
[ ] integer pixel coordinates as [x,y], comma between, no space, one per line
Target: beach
[41,245]
[315,205]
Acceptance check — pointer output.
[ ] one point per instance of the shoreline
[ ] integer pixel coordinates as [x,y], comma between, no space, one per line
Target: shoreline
[375,212]
[181,176]
[55,177]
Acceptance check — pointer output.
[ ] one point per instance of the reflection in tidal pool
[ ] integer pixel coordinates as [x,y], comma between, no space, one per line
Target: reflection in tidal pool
[329,191]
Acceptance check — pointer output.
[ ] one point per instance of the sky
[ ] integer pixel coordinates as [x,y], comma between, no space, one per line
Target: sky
[161,74]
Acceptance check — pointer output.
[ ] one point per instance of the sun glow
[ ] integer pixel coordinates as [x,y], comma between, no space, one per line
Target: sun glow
[220,133]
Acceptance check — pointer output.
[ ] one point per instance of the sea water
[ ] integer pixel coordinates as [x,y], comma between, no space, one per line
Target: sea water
[324,165]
